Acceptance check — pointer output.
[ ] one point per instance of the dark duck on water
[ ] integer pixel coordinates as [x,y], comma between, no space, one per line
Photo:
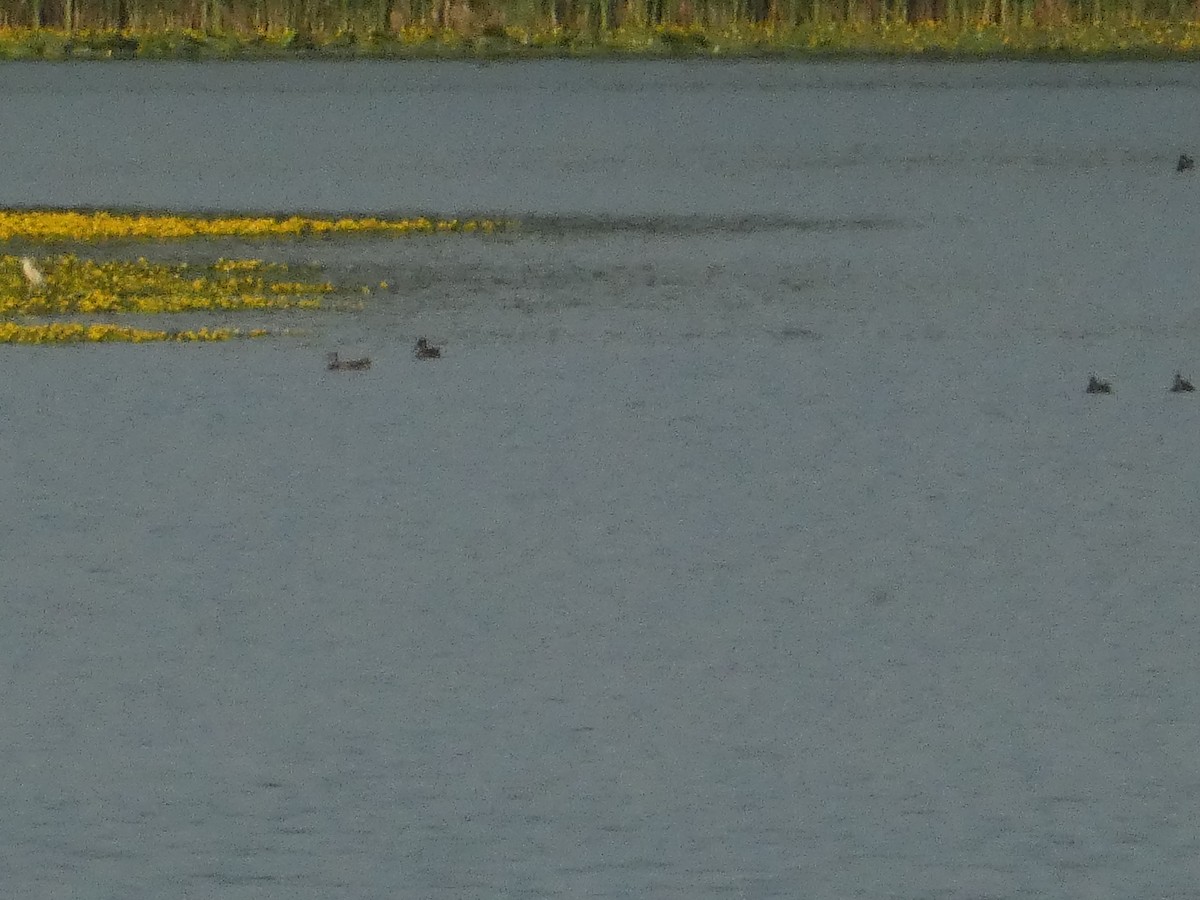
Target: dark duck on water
[347,365]
[425,350]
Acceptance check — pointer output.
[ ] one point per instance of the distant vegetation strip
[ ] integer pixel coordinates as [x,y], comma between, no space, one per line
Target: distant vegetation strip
[350,30]
[44,226]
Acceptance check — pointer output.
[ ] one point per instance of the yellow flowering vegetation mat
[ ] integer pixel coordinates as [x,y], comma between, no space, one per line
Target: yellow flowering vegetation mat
[69,286]
[66,286]
[50,226]
[101,332]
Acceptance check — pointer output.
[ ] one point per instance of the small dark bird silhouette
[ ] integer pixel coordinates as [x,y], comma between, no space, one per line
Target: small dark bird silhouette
[424,350]
[1181,385]
[347,365]
[1185,163]
[1096,386]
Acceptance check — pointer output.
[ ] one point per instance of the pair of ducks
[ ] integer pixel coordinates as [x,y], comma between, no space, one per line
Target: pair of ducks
[422,350]
[1179,386]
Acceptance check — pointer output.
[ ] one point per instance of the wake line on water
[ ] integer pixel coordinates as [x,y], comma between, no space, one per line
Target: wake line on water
[693,225]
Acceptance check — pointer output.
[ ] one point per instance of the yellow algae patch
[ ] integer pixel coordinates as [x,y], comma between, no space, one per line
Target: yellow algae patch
[80,332]
[45,226]
[72,286]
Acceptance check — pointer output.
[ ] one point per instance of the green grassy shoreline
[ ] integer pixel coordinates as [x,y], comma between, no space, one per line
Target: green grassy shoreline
[1158,40]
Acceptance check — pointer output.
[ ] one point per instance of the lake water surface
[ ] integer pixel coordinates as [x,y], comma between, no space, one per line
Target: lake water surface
[754,538]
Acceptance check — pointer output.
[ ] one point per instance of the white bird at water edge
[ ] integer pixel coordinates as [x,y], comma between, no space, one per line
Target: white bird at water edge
[33,275]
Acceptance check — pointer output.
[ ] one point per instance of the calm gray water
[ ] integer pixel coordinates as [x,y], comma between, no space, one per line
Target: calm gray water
[753,539]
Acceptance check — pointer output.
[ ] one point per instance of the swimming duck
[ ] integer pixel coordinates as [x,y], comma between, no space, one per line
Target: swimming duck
[1096,386]
[347,365]
[1181,385]
[425,350]
[1185,163]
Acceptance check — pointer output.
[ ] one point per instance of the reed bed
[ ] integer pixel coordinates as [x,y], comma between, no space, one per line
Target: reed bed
[224,29]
